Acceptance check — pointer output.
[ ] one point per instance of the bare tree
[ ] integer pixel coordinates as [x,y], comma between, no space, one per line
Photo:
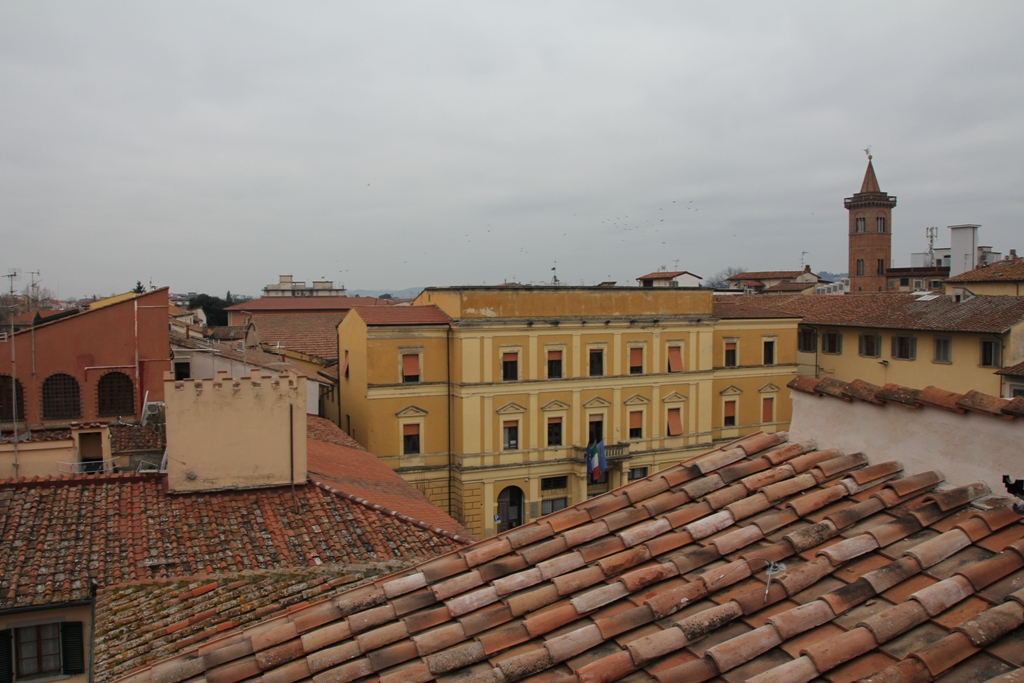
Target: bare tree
[720,280]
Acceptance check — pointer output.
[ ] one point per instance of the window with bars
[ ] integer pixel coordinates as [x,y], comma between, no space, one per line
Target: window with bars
[115,395]
[11,404]
[61,398]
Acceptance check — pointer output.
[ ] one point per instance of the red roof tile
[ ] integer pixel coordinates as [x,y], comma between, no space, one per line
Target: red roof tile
[989,314]
[666,275]
[767,275]
[1007,270]
[336,460]
[592,593]
[403,315]
[312,333]
[126,527]
[254,356]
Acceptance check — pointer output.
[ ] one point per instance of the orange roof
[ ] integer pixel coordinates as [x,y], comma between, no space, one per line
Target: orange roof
[870,183]
[669,275]
[762,560]
[314,333]
[1007,270]
[335,459]
[403,315]
[767,275]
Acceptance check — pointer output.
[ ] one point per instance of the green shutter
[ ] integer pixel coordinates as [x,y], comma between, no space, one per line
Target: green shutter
[72,649]
[6,657]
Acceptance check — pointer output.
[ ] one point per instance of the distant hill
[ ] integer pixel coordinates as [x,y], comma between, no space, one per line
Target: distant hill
[831,277]
[407,293]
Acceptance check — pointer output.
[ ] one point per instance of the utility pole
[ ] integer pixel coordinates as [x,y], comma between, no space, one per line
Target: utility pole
[13,273]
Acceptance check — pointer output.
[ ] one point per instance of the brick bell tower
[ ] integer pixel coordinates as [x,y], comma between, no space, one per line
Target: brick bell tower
[870,234]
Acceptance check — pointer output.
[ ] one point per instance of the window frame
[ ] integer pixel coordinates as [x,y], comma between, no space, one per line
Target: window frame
[510,435]
[880,224]
[509,366]
[595,369]
[994,356]
[730,420]
[555,421]
[637,473]
[727,360]
[68,404]
[559,361]
[836,347]
[410,378]
[881,266]
[550,505]
[903,347]
[554,483]
[636,369]
[678,347]
[767,357]
[110,401]
[635,432]
[768,402]
[860,267]
[807,340]
[678,412]
[860,224]
[948,343]
[407,445]
[862,345]
[7,411]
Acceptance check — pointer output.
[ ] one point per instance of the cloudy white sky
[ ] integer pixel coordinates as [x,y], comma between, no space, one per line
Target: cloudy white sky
[215,145]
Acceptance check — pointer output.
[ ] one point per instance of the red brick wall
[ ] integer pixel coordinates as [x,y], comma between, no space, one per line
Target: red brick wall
[102,337]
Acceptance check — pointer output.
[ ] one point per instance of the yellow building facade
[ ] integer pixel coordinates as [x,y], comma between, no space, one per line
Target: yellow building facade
[486,398]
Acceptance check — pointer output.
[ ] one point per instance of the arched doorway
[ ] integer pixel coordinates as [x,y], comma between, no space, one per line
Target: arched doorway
[510,508]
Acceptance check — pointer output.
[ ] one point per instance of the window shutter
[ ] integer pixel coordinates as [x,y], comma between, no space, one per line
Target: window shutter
[913,348]
[6,657]
[554,420]
[510,356]
[863,344]
[411,364]
[767,405]
[636,358]
[410,430]
[510,423]
[675,359]
[636,420]
[72,648]
[554,355]
[839,342]
[730,408]
[730,346]
[675,422]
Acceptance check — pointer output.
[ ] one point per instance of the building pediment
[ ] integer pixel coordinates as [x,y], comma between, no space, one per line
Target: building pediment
[411,411]
[511,408]
[731,390]
[674,397]
[597,402]
[637,400]
[555,405]
[769,389]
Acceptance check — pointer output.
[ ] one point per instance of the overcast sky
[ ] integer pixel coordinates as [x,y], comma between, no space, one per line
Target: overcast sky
[215,145]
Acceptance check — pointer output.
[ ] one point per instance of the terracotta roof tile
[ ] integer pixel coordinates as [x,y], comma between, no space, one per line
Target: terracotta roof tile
[1006,270]
[315,303]
[312,333]
[603,591]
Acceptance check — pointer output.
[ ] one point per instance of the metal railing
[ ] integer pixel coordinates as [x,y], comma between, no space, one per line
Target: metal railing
[87,467]
[619,451]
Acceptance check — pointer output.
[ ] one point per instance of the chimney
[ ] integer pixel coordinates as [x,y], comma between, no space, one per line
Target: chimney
[963,248]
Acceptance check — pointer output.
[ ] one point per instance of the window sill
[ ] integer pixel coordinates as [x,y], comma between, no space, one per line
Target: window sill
[44,678]
[943,362]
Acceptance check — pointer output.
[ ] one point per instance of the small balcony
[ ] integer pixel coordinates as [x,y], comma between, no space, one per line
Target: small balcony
[619,451]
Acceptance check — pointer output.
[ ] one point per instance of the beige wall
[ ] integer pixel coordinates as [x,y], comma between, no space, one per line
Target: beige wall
[965,448]
[963,373]
[480,467]
[986,288]
[235,433]
[53,458]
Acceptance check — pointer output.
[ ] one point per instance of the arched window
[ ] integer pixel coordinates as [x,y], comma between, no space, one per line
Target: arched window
[5,399]
[115,395]
[60,398]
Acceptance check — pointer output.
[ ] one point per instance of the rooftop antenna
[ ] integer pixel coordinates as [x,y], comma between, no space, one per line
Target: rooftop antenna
[931,233]
[554,274]
[802,254]
[12,273]
[675,264]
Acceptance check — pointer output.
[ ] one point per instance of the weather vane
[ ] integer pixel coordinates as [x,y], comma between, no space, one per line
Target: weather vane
[867,150]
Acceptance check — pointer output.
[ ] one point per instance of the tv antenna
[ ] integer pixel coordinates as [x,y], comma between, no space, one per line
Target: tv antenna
[931,233]
[802,254]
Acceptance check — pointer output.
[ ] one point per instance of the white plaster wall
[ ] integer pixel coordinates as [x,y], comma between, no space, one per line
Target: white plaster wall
[965,448]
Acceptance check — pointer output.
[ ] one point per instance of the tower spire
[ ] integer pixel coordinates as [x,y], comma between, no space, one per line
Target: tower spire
[870,183]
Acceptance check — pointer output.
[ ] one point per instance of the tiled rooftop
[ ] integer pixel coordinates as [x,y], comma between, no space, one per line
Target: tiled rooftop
[307,303]
[762,560]
[737,307]
[791,286]
[313,333]
[1006,270]
[929,397]
[254,356]
[666,275]
[336,460]
[126,527]
[145,621]
[403,315]
[767,275]
[987,314]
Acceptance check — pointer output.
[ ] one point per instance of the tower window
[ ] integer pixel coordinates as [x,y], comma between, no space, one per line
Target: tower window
[860,225]
[881,266]
[880,224]
[860,266]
